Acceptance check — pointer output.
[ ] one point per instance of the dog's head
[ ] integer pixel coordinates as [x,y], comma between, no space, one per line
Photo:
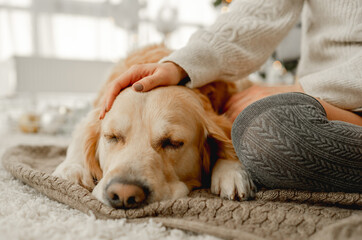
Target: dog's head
[156,145]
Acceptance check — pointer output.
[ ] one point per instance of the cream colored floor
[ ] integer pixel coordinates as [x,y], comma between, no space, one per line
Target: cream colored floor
[27,214]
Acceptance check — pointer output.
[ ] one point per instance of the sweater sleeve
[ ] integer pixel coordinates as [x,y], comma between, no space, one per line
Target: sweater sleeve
[340,85]
[239,42]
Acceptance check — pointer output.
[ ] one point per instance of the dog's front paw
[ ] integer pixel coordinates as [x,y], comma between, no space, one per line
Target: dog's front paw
[230,180]
[75,174]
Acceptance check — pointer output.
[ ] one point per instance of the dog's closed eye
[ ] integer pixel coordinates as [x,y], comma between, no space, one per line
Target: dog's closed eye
[168,143]
[112,138]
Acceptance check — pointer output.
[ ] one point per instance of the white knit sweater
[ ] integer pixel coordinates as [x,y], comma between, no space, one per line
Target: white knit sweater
[241,40]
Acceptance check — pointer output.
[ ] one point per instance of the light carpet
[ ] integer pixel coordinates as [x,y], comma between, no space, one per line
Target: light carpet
[274,214]
[27,214]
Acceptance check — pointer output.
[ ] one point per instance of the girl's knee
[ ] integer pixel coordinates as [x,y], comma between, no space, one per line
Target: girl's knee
[281,141]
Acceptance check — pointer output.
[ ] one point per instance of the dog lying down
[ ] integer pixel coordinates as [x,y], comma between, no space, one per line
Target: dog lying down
[156,145]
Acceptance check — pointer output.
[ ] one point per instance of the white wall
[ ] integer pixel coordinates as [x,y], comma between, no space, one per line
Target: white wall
[7,78]
[38,74]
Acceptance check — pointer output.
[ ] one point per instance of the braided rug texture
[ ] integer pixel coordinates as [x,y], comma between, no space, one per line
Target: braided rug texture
[274,214]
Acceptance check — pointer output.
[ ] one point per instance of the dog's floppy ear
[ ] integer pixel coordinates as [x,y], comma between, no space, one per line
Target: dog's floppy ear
[90,145]
[218,93]
[217,144]
[81,164]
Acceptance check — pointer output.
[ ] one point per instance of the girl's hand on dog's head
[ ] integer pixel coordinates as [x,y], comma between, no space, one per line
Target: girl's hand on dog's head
[144,77]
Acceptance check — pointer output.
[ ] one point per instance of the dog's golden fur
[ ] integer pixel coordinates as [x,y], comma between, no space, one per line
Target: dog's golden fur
[170,139]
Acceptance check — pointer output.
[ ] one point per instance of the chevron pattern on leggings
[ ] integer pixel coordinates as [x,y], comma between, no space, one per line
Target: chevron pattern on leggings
[286,141]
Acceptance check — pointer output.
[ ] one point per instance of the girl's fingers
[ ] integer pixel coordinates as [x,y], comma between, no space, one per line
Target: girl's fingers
[160,77]
[111,95]
[126,79]
[146,84]
[143,78]
[102,113]
[149,82]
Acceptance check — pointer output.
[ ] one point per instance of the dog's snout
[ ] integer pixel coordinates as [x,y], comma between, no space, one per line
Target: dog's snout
[121,194]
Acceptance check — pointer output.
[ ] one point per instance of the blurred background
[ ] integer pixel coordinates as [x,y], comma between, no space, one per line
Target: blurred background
[55,54]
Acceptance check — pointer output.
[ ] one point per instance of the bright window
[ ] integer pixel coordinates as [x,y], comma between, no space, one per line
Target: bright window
[94,29]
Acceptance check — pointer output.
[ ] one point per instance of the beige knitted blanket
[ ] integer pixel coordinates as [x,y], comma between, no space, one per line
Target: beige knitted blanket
[274,214]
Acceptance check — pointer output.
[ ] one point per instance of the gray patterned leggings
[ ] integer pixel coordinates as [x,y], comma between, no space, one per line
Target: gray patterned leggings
[286,141]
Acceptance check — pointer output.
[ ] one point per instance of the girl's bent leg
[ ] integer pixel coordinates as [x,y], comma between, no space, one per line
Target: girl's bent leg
[286,141]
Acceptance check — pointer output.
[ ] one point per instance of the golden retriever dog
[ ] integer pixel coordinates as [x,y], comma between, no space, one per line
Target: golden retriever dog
[156,145]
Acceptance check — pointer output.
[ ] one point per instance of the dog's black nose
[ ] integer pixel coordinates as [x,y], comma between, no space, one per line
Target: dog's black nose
[125,194]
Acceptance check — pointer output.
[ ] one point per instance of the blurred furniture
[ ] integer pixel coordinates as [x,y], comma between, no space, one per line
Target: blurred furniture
[39,74]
